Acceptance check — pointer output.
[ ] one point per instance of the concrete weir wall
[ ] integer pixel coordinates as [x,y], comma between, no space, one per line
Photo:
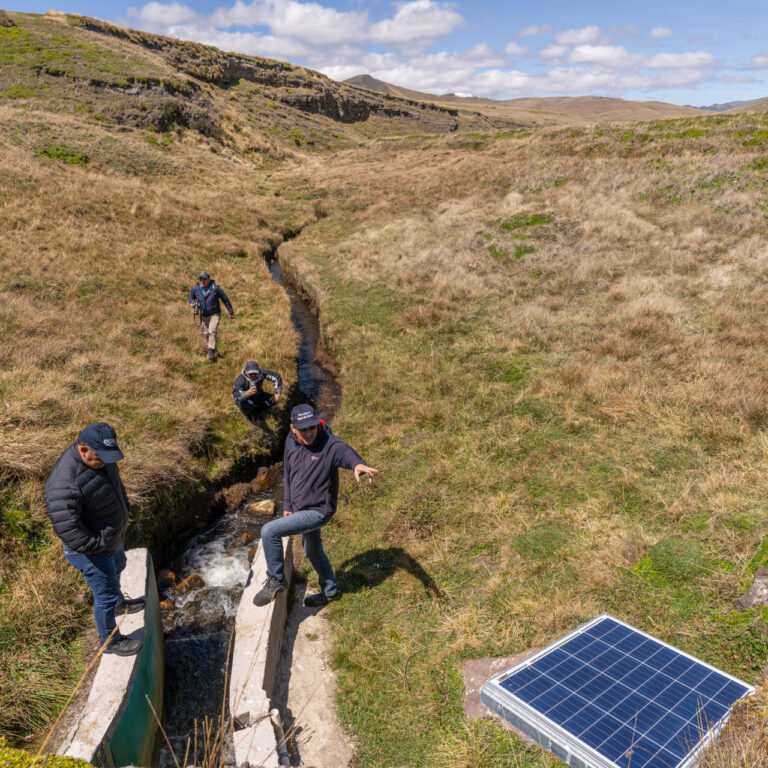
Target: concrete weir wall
[117,726]
[256,652]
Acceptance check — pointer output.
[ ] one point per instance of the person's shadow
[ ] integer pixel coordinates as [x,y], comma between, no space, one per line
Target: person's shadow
[369,569]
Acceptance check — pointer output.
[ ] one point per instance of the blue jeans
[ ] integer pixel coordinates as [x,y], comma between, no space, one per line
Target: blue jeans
[102,574]
[308,523]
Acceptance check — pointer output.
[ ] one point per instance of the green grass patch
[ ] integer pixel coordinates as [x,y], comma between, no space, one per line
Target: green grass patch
[497,252]
[62,154]
[522,220]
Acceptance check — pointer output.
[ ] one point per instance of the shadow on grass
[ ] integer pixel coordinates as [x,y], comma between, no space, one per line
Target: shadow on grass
[371,568]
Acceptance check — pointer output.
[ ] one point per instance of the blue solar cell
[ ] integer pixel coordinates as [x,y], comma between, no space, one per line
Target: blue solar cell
[662,759]
[712,684]
[608,700]
[596,686]
[677,666]
[589,652]
[552,659]
[647,717]
[601,627]
[627,709]
[519,679]
[693,676]
[534,689]
[672,694]
[639,753]
[583,719]
[731,692]
[638,676]
[565,668]
[654,685]
[661,658]
[566,708]
[619,744]
[712,711]
[623,667]
[607,659]
[576,643]
[550,698]
[646,650]
[689,735]
[680,745]
[688,707]
[617,635]
[579,678]
[598,732]
[630,642]
[666,729]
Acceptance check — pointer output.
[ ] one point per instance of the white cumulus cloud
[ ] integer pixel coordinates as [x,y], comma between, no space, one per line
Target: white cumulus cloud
[416,20]
[515,49]
[607,55]
[658,32]
[693,59]
[535,29]
[579,36]
[759,61]
[158,17]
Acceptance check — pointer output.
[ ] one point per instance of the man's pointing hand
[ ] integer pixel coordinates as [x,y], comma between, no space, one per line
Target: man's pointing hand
[363,469]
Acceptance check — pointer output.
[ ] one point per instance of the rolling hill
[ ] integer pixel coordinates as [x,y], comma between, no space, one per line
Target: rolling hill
[576,108]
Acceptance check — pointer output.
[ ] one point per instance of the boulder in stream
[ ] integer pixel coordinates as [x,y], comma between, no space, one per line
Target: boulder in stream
[260,509]
[243,540]
[193,581]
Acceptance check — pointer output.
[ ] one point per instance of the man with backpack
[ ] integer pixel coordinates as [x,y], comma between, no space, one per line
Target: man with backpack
[204,297]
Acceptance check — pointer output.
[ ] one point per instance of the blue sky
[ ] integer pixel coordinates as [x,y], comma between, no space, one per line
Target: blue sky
[681,52]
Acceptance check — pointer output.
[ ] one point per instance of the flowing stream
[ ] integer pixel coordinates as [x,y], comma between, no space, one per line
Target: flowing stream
[201,595]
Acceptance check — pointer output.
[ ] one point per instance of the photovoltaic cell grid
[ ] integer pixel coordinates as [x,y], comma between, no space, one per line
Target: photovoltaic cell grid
[635,701]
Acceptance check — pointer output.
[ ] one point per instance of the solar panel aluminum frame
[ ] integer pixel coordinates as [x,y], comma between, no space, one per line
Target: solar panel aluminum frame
[556,739]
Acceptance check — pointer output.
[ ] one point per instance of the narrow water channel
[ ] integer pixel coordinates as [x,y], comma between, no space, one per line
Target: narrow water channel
[200,601]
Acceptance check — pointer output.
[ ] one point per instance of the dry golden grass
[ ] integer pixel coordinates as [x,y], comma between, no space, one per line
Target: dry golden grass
[574,323]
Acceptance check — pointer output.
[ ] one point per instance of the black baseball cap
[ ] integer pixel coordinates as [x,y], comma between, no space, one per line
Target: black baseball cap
[304,416]
[252,367]
[101,438]
[204,275]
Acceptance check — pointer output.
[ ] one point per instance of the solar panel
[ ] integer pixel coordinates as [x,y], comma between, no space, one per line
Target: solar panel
[610,696]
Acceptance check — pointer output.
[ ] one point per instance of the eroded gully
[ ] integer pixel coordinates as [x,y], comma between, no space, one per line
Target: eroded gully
[201,589]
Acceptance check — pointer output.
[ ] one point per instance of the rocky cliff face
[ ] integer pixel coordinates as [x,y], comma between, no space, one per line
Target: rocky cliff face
[294,86]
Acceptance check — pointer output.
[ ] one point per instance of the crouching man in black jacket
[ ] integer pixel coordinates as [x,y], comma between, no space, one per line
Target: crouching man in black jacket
[248,394]
[311,461]
[89,509]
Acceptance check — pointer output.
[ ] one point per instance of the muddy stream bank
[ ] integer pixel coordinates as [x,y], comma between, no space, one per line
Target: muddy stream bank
[201,587]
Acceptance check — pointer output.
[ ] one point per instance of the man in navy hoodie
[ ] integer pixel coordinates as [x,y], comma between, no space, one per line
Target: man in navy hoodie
[205,296]
[311,464]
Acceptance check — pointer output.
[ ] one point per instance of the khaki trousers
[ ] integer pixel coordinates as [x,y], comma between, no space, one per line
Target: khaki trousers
[209,325]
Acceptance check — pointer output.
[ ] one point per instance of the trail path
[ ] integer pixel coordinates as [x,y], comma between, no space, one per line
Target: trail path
[305,688]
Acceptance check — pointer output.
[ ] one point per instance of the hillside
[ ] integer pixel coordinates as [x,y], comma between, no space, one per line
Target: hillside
[574,108]
[551,340]
[759,105]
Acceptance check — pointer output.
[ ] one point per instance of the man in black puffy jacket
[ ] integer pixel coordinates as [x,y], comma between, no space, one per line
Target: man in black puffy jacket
[248,394]
[89,509]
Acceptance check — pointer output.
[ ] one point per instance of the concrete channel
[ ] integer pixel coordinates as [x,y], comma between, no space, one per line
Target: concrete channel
[117,726]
